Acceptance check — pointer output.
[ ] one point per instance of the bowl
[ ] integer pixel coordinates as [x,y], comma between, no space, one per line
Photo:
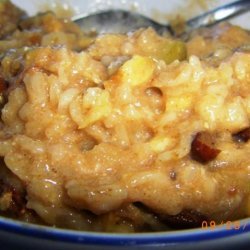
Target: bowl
[232,235]
[23,236]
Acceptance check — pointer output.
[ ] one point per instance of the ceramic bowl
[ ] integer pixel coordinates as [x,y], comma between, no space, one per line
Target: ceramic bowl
[23,236]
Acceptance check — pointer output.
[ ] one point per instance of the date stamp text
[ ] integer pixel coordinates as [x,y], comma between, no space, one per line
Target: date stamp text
[229,225]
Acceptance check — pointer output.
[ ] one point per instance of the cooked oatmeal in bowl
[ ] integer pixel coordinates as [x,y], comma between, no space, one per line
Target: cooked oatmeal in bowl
[123,132]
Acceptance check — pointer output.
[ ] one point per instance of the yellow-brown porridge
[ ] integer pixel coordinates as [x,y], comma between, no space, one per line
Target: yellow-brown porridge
[122,133]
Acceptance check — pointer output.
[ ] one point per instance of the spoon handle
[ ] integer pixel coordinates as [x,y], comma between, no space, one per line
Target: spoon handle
[217,15]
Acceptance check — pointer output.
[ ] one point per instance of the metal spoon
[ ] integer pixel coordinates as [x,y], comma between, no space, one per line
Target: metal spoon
[122,21]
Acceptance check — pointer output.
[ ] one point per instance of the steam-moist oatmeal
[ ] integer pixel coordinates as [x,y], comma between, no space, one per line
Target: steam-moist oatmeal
[123,133]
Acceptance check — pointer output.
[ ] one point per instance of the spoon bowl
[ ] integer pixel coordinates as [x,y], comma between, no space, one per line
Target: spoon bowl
[118,21]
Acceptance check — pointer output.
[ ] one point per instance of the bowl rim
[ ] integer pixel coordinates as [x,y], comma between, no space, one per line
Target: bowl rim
[114,239]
